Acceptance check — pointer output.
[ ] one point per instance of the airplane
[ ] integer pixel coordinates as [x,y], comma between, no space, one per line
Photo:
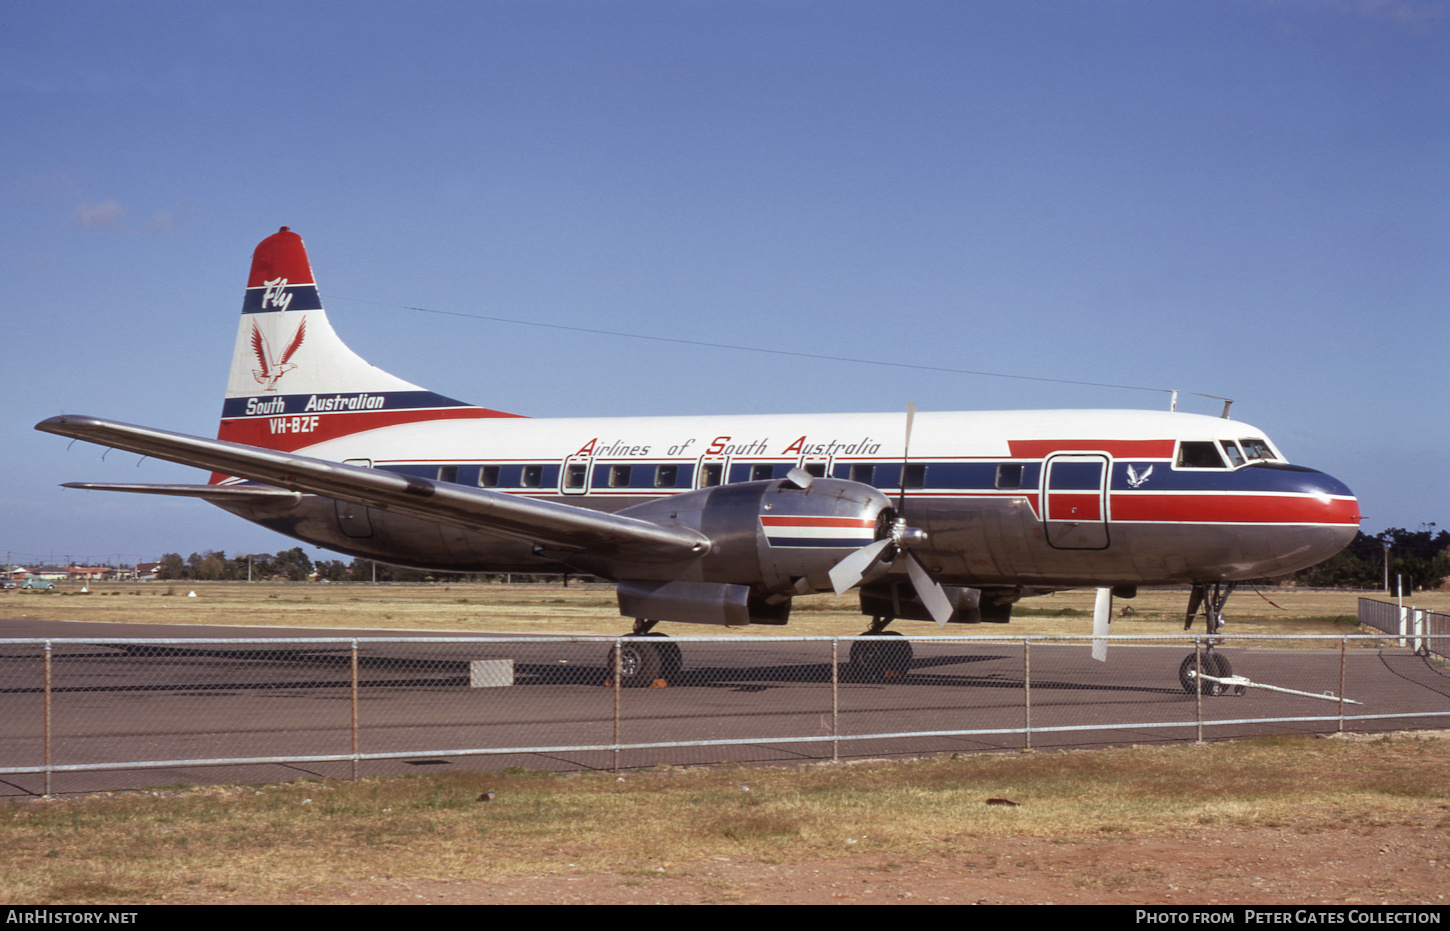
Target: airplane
[725,520]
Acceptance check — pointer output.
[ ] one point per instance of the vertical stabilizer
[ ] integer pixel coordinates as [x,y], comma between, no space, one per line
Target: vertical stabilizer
[293,382]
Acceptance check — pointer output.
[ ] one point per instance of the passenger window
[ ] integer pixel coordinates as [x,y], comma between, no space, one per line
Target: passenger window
[665,476]
[713,473]
[761,471]
[448,473]
[488,476]
[619,476]
[1009,475]
[1235,457]
[862,473]
[816,469]
[1199,456]
[915,476]
[533,476]
[574,477]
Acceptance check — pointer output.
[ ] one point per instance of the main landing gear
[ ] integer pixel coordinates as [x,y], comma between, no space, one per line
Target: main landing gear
[1210,597]
[884,659]
[645,662]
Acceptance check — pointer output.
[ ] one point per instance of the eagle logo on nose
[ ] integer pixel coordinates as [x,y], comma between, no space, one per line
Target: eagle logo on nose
[1134,479]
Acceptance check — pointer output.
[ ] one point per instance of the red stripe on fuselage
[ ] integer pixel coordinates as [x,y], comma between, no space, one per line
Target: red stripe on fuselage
[1121,449]
[1234,509]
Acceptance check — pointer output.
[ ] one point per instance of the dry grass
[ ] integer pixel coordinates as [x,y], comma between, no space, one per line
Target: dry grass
[307,839]
[591,609]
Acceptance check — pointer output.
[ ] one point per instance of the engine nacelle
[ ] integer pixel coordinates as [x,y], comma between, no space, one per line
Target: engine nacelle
[774,536]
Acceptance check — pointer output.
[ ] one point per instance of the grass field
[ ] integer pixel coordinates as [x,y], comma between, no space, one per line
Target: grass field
[591,609]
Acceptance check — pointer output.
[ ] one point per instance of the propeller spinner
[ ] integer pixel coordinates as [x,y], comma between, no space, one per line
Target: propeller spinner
[876,558]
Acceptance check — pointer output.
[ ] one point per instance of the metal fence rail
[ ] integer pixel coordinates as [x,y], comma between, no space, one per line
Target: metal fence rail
[348,706]
[1437,633]
[1426,629]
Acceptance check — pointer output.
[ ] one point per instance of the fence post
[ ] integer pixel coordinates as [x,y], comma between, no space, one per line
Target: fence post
[1027,691]
[1343,641]
[618,658]
[1198,686]
[47,719]
[835,699]
[354,710]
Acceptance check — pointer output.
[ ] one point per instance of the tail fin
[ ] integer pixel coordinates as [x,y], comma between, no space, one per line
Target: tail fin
[294,383]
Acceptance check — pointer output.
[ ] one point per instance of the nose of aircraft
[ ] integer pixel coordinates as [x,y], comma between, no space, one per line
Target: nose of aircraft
[1327,511]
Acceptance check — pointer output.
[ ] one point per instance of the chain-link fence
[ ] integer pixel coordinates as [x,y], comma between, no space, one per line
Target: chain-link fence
[343,707]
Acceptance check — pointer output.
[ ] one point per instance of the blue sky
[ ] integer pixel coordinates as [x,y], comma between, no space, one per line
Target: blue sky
[1239,198]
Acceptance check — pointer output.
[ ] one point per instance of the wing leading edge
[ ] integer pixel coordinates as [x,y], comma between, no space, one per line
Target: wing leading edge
[544,523]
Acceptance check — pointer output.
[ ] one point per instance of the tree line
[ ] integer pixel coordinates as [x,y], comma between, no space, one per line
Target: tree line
[1421,558]
[294,565]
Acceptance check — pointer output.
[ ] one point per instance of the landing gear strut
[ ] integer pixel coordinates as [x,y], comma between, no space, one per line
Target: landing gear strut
[1211,597]
[885,659]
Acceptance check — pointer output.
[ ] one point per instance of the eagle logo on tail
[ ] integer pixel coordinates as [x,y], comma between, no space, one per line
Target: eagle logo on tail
[272,368]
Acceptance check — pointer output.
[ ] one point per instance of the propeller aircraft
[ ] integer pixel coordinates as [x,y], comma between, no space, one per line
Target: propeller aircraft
[726,520]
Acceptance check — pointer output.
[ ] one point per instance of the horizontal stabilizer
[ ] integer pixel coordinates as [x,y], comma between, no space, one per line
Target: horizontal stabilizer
[237,494]
[543,523]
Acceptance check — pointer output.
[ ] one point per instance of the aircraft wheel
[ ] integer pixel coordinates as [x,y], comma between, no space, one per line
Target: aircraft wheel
[640,663]
[1214,664]
[671,659]
[882,659]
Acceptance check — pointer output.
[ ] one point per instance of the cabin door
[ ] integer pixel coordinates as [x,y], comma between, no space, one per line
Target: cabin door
[1074,502]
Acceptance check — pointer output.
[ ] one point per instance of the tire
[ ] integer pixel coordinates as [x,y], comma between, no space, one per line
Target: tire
[1221,668]
[1214,664]
[882,658]
[671,659]
[640,663]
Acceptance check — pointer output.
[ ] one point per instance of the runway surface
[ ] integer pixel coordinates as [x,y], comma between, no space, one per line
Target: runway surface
[121,694]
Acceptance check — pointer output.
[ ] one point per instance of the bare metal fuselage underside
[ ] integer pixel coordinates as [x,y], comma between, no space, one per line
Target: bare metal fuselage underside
[984,543]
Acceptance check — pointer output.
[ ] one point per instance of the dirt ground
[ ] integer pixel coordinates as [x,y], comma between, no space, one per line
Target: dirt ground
[1379,864]
[1320,859]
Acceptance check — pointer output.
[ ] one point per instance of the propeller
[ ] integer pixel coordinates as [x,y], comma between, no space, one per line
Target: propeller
[873,559]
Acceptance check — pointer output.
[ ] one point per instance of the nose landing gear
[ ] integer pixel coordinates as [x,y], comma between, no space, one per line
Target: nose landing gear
[1196,666]
[1210,597]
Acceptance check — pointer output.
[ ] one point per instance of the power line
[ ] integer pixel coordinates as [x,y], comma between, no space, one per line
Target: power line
[774,352]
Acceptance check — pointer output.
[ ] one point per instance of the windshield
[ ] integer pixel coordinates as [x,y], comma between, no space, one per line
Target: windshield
[1256,448]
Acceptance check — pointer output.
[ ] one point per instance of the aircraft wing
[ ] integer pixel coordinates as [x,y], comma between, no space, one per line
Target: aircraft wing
[237,494]
[544,523]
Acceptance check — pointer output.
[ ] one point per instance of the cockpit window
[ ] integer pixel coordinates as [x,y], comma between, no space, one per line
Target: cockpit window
[1256,448]
[1199,456]
[1235,458]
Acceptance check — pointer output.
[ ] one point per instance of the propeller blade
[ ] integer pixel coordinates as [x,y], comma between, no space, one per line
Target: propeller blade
[1102,622]
[848,573]
[929,591]
[905,457]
